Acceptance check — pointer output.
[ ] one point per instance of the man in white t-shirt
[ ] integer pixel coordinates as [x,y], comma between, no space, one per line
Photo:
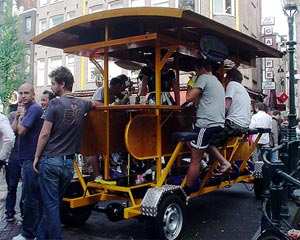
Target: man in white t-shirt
[238,102]
[260,120]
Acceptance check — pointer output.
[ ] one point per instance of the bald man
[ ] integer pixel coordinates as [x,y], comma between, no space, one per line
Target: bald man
[28,128]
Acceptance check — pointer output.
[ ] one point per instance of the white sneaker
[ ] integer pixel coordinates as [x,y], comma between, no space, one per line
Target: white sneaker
[19,237]
[98,177]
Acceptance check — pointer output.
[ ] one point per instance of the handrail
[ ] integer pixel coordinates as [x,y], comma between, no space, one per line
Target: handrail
[281,173]
[288,177]
[264,156]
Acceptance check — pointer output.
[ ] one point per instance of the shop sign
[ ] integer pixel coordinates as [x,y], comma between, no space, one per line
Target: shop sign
[268,85]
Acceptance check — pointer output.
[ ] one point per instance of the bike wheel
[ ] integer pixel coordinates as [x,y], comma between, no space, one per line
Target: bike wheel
[74,217]
[169,222]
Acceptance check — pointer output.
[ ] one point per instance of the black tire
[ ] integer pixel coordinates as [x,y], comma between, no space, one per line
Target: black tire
[258,187]
[169,223]
[74,217]
[272,235]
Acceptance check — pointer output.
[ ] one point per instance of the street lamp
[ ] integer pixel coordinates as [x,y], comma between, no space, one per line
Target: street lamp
[290,8]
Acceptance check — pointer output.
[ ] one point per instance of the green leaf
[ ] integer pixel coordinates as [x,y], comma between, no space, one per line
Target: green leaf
[12,55]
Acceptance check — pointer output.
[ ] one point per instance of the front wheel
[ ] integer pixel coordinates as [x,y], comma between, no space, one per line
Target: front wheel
[169,222]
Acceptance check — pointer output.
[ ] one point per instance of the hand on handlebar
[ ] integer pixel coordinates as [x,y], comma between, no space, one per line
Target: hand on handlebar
[189,104]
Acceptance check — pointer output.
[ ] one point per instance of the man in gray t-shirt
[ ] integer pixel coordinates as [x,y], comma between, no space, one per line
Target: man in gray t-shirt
[210,95]
[59,140]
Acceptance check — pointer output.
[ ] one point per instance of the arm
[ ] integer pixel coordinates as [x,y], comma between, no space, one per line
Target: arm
[96,103]
[125,100]
[27,119]
[14,124]
[42,141]
[193,95]
[17,118]
[143,87]
[228,102]
[22,130]
[176,90]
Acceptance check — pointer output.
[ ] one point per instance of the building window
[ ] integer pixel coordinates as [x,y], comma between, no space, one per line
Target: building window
[56,20]
[40,72]
[224,7]
[43,2]
[54,1]
[42,25]
[71,15]
[160,3]
[137,3]
[27,61]
[4,6]
[54,62]
[97,8]
[28,24]
[115,4]
[187,4]
[70,60]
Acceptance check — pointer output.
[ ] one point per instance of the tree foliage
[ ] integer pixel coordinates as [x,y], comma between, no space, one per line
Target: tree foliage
[12,55]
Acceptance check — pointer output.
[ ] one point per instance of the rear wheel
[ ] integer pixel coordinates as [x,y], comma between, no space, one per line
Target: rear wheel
[169,222]
[74,216]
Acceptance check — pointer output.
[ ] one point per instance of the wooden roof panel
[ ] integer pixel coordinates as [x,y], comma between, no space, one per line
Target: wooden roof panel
[178,27]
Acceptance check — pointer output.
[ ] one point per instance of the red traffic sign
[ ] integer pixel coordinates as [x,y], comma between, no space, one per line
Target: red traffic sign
[283,97]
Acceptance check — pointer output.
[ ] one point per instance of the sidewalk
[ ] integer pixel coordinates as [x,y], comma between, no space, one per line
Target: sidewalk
[12,229]
[9,230]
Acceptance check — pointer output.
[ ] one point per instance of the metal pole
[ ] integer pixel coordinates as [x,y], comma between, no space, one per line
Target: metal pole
[292,110]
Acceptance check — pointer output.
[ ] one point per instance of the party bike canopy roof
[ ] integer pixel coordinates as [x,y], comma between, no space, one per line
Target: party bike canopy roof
[132,33]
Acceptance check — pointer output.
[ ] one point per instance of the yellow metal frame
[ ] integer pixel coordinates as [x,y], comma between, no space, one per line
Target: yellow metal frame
[181,32]
[105,192]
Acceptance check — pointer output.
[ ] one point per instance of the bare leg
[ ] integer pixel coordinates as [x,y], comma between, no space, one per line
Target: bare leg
[194,168]
[225,165]
[95,165]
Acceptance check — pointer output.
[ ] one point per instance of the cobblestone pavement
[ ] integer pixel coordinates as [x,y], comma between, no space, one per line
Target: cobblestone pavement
[206,219]
[9,230]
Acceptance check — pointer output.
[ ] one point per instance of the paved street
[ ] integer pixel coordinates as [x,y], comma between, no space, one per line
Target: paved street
[230,214]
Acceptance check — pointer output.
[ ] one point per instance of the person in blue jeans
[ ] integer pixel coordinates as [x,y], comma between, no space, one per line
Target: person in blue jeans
[60,139]
[28,129]
[275,135]
[13,172]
